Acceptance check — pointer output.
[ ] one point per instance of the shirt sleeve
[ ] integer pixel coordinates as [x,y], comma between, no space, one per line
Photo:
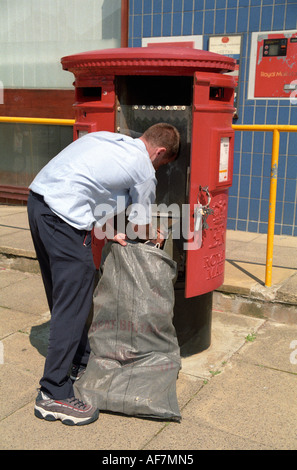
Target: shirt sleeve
[142,195]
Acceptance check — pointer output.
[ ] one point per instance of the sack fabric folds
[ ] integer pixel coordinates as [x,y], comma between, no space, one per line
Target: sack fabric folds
[135,357]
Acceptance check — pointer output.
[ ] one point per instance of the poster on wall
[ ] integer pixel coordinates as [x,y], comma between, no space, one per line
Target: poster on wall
[187,41]
[229,46]
[273,72]
[276,73]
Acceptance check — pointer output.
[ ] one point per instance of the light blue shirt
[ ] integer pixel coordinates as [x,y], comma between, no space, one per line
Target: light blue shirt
[88,176]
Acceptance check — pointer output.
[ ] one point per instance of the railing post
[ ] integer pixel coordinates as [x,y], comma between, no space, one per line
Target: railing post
[272,204]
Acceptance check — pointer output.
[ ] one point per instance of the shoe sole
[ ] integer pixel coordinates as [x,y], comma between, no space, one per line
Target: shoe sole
[74,378]
[77,377]
[43,414]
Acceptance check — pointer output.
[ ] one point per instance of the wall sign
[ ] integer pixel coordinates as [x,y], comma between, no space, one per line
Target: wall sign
[229,46]
[273,72]
[188,41]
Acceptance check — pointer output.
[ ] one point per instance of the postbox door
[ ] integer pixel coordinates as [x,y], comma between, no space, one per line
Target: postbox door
[211,172]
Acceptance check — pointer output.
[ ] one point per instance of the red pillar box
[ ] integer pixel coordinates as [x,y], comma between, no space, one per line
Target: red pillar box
[127,90]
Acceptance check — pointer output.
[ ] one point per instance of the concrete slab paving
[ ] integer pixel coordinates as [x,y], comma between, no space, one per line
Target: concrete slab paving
[229,332]
[196,434]
[16,242]
[16,391]
[238,394]
[252,275]
[251,247]
[236,407]
[29,296]
[251,404]
[237,410]
[21,430]
[275,348]
[15,219]
[21,355]
[7,210]
[10,277]
[288,292]
[11,320]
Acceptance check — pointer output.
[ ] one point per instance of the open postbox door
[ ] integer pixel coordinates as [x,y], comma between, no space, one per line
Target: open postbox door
[211,173]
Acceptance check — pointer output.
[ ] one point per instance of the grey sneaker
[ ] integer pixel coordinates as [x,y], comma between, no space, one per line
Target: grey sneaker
[70,411]
[77,372]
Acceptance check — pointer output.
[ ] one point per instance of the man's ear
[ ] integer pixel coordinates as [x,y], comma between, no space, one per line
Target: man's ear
[161,151]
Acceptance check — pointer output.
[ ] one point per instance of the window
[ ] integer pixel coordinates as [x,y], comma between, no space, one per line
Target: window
[35,34]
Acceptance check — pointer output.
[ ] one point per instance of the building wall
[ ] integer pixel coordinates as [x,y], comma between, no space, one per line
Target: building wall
[249,195]
[34,36]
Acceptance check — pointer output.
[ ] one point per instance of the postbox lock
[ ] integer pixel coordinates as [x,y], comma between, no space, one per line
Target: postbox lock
[206,210]
[201,212]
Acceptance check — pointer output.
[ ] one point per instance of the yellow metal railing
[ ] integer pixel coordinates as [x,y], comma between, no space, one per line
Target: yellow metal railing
[58,122]
[276,129]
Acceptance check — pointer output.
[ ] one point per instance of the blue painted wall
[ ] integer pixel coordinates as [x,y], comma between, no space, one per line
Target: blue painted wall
[249,195]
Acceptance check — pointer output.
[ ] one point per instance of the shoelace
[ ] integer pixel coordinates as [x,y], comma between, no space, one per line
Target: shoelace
[76,402]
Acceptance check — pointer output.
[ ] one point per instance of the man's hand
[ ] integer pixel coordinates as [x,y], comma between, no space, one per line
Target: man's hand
[146,232]
[120,238]
[160,238]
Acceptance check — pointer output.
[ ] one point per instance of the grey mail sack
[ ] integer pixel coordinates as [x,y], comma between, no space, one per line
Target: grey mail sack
[135,358]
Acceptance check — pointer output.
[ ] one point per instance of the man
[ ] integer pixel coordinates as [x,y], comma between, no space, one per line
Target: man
[93,170]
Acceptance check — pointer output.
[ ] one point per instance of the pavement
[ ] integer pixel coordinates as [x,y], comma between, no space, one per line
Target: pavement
[239,394]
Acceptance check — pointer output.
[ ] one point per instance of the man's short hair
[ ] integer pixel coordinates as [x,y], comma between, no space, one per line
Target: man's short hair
[164,135]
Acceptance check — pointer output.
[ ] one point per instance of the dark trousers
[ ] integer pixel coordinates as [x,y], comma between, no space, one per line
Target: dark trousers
[67,267]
